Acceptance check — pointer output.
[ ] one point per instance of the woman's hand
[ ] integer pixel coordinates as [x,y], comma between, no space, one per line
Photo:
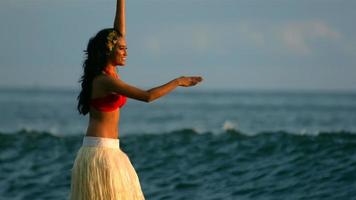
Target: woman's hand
[189,81]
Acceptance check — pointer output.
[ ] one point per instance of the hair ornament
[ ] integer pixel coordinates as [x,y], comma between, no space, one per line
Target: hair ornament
[112,39]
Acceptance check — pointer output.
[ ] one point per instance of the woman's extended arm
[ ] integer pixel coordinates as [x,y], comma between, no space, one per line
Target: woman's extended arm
[116,85]
[162,90]
[119,22]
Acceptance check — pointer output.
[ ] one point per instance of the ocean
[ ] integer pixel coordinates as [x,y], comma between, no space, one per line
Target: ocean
[191,144]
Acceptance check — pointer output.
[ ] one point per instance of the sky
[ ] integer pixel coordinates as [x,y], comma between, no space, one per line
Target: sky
[232,44]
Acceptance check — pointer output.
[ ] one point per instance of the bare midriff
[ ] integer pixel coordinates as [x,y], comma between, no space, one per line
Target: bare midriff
[103,124]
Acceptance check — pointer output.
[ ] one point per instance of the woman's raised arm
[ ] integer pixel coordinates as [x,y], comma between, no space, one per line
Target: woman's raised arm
[120,20]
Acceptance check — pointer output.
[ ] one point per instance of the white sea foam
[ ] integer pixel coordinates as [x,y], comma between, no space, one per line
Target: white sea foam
[230,126]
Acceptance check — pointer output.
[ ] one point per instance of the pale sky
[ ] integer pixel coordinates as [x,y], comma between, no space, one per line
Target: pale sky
[233,44]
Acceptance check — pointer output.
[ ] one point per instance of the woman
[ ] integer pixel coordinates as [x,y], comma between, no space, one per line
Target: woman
[101,170]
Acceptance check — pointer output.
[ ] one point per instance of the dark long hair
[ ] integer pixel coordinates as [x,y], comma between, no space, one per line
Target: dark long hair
[97,55]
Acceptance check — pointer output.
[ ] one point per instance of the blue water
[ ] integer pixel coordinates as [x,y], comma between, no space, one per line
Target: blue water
[190,145]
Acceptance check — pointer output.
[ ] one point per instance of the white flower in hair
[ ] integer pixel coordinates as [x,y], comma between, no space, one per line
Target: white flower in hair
[111,40]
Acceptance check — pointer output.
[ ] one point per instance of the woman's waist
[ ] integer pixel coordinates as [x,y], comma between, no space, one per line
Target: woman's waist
[105,130]
[104,118]
[91,141]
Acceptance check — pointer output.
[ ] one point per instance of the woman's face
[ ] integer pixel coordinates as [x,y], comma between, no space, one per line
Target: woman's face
[119,54]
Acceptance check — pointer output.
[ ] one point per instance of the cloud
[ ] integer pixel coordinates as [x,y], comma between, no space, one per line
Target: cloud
[245,36]
[185,37]
[296,36]
[201,38]
[252,34]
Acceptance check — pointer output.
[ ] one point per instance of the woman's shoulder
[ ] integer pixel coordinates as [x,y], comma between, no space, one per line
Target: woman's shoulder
[98,85]
[102,81]
[102,78]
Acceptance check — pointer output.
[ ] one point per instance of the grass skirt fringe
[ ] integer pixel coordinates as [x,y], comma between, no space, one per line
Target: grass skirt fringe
[102,171]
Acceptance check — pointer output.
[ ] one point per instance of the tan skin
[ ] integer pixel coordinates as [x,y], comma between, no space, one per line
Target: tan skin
[105,124]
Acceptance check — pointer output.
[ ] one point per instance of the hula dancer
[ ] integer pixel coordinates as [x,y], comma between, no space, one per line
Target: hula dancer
[101,170]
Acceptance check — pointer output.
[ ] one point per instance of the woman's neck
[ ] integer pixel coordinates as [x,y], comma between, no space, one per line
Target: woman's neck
[110,69]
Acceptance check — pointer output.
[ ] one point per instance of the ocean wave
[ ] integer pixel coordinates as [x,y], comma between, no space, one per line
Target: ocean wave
[31,133]
[284,162]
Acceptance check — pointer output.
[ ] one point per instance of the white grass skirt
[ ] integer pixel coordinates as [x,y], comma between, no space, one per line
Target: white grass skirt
[101,171]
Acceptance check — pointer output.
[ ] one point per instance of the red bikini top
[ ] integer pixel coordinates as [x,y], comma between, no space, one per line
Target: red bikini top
[109,102]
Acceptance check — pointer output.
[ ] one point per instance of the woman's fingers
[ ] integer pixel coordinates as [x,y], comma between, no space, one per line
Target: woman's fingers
[197,78]
[194,80]
[187,81]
